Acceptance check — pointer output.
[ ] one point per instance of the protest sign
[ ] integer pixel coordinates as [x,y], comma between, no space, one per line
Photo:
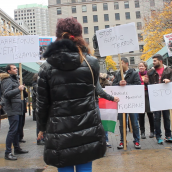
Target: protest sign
[168,41]
[116,40]
[160,96]
[132,98]
[19,49]
[44,41]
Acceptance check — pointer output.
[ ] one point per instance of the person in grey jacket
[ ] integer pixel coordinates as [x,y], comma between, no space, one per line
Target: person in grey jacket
[13,106]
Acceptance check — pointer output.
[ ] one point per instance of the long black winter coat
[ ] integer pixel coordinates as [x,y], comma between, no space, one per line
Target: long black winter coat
[66,107]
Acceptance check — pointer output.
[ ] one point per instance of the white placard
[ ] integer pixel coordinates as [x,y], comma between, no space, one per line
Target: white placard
[160,96]
[19,49]
[132,98]
[116,40]
[168,41]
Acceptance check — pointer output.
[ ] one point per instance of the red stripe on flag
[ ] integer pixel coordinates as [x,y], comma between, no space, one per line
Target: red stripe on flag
[106,104]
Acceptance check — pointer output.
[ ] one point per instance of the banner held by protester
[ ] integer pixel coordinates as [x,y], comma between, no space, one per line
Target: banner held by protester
[109,113]
[19,49]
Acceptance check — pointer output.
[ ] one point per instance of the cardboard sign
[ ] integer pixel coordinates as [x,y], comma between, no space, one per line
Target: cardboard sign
[19,49]
[132,98]
[116,40]
[160,96]
[168,41]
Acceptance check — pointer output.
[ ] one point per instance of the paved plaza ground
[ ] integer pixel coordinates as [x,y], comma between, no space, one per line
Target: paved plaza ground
[151,158]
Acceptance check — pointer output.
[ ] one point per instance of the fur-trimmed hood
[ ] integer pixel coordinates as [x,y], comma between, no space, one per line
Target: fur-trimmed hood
[4,76]
[63,55]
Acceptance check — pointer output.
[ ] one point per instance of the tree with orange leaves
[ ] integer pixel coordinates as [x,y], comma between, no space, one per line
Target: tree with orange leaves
[156,25]
[110,64]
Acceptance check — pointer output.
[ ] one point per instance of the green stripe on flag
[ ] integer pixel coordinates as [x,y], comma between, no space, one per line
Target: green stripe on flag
[109,125]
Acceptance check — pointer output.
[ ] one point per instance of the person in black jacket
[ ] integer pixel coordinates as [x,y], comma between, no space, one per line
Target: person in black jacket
[13,107]
[131,77]
[22,117]
[65,106]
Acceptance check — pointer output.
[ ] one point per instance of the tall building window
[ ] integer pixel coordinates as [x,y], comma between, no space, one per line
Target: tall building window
[139,25]
[126,4]
[127,15]
[138,15]
[59,11]
[84,8]
[106,17]
[105,6]
[117,16]
[137,4]
[118,24]
[74,9]
[87,40]
[140,37]
[132,61]
[85,30]
[141,48]
[83,0]
[107,26]
[85,19]
[58,1]
[94,7]
[95,18]
[73,1]
[75,18]
[152,3]
[116,5]
[96,28]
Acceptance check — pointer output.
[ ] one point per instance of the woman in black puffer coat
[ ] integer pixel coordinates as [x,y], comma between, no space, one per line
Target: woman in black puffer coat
[66,107]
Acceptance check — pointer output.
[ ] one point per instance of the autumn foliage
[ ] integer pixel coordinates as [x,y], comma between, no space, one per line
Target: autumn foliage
[156,26]
[110,64]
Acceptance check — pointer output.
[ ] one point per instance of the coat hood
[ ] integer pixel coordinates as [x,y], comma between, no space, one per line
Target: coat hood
[63,55]
[4,76]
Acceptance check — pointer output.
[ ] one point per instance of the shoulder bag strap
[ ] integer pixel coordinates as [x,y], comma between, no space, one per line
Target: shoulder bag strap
[91,74]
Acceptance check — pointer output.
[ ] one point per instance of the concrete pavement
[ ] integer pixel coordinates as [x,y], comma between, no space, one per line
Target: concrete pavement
[152,157]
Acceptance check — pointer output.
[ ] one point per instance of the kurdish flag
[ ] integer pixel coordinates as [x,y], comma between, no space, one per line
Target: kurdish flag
[108,113]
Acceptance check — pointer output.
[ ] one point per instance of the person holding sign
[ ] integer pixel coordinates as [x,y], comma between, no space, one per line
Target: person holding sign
[11,91]
[160,74]
[131,78]
[66,103]
[144,79]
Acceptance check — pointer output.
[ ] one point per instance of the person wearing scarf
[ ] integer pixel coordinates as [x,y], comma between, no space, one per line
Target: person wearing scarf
[143,77]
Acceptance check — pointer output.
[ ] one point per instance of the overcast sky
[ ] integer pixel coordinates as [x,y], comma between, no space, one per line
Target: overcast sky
[8,6]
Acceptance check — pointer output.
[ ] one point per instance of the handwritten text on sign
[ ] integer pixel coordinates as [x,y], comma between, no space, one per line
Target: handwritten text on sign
[19,49]
[160,96]
[132,98]
[116,40]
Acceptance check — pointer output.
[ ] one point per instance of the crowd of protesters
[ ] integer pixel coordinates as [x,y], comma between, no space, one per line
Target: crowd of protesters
[65,102]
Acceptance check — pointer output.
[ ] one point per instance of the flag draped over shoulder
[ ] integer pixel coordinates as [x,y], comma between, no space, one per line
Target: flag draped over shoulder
[108,113]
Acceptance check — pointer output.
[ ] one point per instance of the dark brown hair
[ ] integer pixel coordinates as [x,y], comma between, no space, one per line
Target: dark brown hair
[70,28]
[145,64]
[158,56]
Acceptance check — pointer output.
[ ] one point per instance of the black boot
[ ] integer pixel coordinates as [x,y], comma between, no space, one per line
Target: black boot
[10,156]
[20,151]
[143,135]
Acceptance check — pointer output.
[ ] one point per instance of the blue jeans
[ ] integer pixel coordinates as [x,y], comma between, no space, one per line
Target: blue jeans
[79,168]
[157,120]
[106,133]
[134,123]
[13,134]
